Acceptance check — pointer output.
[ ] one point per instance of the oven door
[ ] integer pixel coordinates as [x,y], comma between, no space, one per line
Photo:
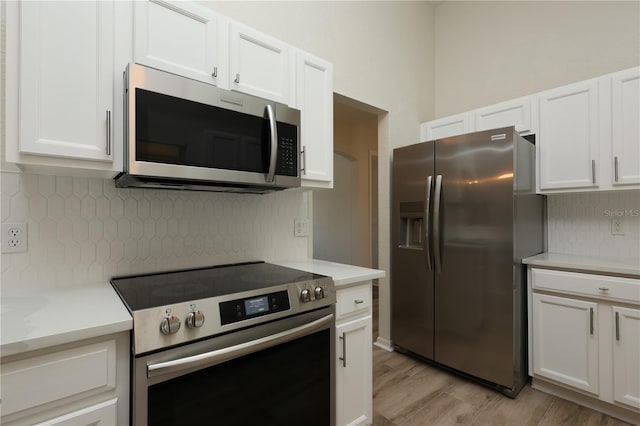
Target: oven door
[279,373]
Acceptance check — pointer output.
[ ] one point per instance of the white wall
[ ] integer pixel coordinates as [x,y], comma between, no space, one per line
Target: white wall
[491,51]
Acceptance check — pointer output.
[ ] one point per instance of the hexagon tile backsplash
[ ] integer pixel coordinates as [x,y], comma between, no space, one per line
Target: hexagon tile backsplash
[581,224]
[83,230]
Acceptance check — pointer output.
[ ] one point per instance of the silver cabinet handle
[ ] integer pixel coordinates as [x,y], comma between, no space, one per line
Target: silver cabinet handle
[274,143]
[237,79]
[603,288]
[593,171]
[221,355]
[108,147]
[615,167]
[617,326]
[427,211]
[358,301]
[436,224]
[343,358]
[303,156]
[591,321]
[214,74]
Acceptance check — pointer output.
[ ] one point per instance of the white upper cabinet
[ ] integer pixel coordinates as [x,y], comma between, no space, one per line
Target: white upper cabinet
[568,143]
[587,133]
[178,37]
[61,59]
[453,125]
[259,64]
[516,112]
[625,127]
[314,78]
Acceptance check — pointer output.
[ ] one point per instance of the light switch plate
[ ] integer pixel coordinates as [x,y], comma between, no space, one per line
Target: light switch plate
[616,226]
[300,228]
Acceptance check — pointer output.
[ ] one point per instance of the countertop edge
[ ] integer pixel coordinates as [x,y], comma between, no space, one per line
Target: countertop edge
[343,275]
[583,264]
[43,342]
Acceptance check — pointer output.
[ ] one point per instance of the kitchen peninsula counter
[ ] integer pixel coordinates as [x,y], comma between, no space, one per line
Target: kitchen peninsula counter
[58,316]
[343,275]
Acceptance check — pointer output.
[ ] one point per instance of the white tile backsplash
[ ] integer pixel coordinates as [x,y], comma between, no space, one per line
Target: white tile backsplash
[580,224]
[84,230]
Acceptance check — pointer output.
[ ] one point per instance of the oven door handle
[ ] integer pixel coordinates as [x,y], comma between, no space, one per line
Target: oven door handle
[225,354]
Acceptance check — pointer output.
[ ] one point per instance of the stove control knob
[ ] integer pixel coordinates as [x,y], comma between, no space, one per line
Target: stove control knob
[194,319]
[170,324]
[318,293]
[305,295]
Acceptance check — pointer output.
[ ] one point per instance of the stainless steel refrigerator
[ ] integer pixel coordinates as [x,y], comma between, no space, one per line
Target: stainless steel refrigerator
[464,215]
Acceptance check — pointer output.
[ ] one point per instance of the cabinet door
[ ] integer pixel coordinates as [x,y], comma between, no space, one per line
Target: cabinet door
[259,64]
[458,124]
[516,112]
[625,113]
[102,414]
[565,341]
[626,356]
[178,37]
[66,79]
[353,372]
[315,101]
[568,143]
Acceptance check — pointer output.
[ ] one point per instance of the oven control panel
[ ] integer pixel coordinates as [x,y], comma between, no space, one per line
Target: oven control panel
[251,307]
[180,323]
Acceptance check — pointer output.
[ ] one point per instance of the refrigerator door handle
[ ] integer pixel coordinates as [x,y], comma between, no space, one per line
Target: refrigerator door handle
[427,212]
[436,224]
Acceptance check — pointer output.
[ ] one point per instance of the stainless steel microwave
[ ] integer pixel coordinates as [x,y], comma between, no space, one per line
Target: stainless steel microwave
[186,134]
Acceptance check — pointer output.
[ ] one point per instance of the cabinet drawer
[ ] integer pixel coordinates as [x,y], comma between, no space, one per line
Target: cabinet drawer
[42,379]
[600,286]
[353,300]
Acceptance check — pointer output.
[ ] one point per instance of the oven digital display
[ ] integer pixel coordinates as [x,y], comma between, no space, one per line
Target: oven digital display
[242,309]
[256,306]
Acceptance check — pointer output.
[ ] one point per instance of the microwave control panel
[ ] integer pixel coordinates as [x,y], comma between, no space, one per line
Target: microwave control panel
[287,164]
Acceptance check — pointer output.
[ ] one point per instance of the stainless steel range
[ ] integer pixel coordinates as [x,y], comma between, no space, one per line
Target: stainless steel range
[232,345]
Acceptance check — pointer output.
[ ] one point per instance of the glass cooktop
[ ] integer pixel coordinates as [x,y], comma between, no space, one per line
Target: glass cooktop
[153,290]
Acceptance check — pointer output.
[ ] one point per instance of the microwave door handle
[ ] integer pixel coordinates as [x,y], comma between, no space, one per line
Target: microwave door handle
[274,143]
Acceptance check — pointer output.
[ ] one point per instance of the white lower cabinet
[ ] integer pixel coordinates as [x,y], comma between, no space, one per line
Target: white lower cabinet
[584,339]
[354,389]
[566,342]
[84,383]
[102,414]
[626,356]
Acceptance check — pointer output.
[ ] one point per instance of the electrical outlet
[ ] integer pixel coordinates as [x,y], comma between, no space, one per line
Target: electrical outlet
[14,237]
[301,228]
[616,226]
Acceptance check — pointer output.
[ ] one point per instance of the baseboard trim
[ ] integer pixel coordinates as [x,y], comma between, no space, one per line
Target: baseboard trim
[604,407]
[383,343]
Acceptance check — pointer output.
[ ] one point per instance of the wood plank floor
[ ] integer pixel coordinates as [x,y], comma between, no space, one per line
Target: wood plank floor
[407,392]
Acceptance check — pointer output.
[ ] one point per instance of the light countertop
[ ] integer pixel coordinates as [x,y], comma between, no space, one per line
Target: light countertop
[343,275]
[66,315]
[585,264]
[59,316]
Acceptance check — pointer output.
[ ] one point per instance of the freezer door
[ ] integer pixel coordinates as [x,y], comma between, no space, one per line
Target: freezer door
[474,287]
[411,257]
